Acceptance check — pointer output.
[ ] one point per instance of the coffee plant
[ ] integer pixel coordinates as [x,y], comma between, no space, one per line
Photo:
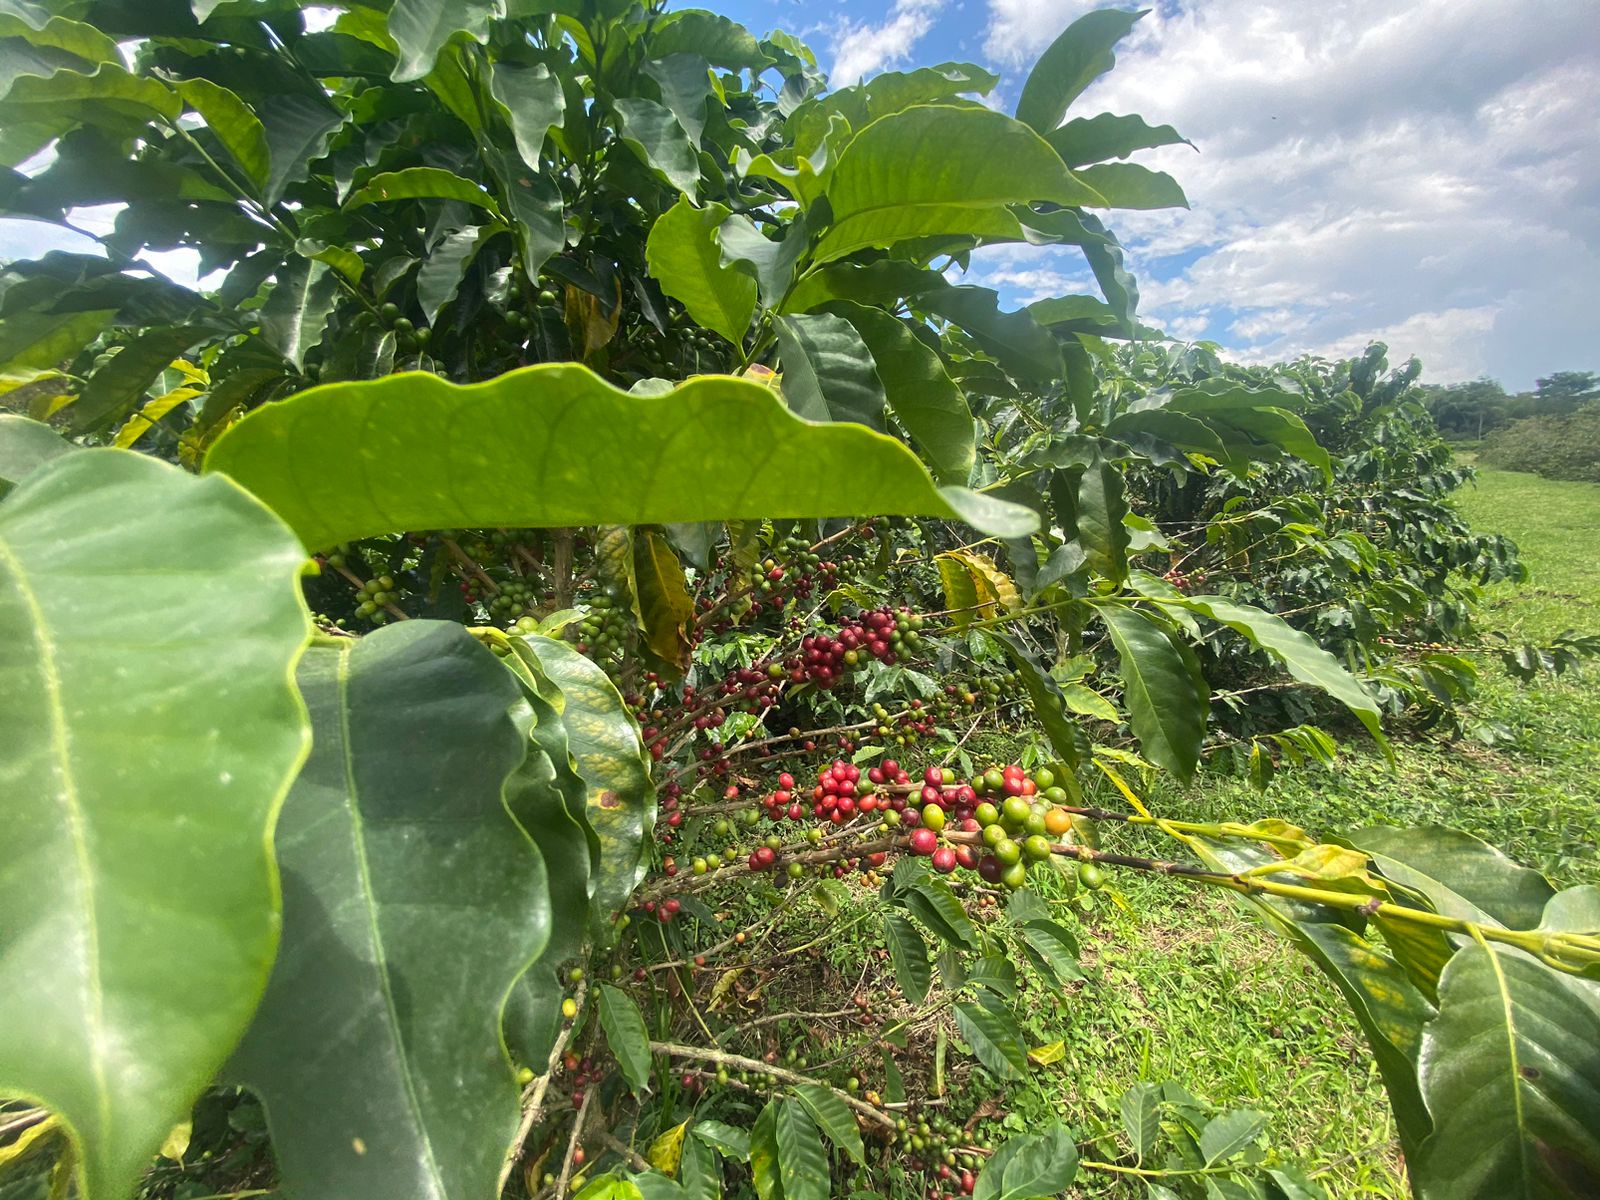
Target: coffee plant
[580,520]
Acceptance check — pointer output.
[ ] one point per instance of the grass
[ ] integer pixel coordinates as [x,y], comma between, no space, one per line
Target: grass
[1186,988]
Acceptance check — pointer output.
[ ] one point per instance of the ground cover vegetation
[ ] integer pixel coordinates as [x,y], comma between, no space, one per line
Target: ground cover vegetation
[591,663]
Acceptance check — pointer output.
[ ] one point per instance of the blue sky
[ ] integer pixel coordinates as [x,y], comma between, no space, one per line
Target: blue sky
[1427,173]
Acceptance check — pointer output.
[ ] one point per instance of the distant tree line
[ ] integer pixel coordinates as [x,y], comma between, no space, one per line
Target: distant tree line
[1478,407]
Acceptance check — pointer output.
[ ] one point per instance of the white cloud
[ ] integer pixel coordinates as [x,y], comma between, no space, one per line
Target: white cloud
[1453,338]
[861,49]
[1019,29]
[1366,169]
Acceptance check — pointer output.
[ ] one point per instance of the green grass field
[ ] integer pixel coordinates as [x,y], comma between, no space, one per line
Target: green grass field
[1186,988]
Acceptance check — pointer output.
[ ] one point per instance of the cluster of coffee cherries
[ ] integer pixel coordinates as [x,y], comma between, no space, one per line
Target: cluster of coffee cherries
[603,631]
[1014,814]
[371,597]
[510,603]
[827,659]
[793,569]
[940,1146]
[582,1072]
[1185,582]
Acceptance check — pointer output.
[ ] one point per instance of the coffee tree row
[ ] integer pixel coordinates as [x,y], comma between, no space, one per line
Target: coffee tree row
[561,333]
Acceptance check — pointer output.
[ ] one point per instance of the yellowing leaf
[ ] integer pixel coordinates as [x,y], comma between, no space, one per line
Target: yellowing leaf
[1043,1056]
[975,587]
[1321,862]
[32,1140]
[177,1143]
[666,1151]
[665,607]
[143,421]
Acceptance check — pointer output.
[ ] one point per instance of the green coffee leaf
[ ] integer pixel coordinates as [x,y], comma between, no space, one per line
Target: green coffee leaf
[626,1035]
[376,1050]
[1028,1167]
[135,956]
[685,258]
[909,954]
[833,1117]
[941,169]
[1165,693]
[1510,1070]
[528,438]
[989,1028]
[25,446]
[828,372]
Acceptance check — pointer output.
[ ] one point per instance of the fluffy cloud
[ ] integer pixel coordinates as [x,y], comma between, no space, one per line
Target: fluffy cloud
[1426,174]
[862,49]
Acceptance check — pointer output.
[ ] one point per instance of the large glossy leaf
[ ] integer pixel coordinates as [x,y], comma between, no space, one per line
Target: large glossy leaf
[107,95]
[1021,345]
[299,128]
[828,371]
[1094,139]
[1165,696]
[1128,185]
[772,262]
[1382,997]
[412,899]
[534,103]
[1071,63]
[297,309]
[685,83]
[885,282]
[36,340]
[933,903]
[992,1032]
[1102,507]
[439,277]
[1462,876]
[802,1165]
[833,1117]
[611,760]
[1228,1134]
[423,183]
[653,133]
[547,798]
[1141,1117]
[116,388]
[25,446]
[133,955]
[37,27]
[920,394]
[420,29]
[938,169]
[1049,705]
[686,260]
[235,125]
[716,38]
[1055,947]
[909,955]
[412,451]
[626,1035]
[538,216]
[1297,651]
[1510,1070]
[1255,423]
[1029,1166]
